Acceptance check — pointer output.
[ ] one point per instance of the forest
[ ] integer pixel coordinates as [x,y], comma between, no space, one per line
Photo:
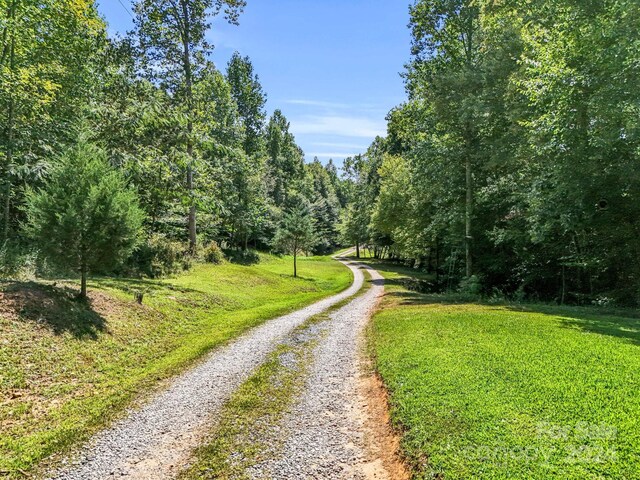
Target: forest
[510,171]
[137,155]
[512,168]
[186,294]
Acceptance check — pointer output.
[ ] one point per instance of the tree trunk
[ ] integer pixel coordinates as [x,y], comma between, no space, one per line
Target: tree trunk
[83,281]
[357,250]
[7,209]
[10,133]
[188,77]
[468,42]
[467,217]
[192,229]
[437,261]
[295,261]
[564,285]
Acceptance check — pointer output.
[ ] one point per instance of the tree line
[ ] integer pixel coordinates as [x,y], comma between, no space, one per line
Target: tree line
[139,149]
[513,167]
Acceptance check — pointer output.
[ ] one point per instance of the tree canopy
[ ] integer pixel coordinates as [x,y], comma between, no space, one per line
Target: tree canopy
[515,157]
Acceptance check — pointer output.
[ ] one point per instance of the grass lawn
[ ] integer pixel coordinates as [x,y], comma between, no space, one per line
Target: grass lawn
[499,392]
[67,368]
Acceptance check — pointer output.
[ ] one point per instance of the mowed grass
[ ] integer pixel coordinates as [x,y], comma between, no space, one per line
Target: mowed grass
[499,392]
[68,368]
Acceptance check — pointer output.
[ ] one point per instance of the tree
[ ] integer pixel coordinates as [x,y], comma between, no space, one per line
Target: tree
[85,217]
[295,234]
[285,159]
[250,98]
[136,124]
[325,206]
[354,227]
[47,61]
[445,70]
[172,36]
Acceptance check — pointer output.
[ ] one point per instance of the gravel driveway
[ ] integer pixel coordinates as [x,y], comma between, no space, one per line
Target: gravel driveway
[325,431]
[155,441]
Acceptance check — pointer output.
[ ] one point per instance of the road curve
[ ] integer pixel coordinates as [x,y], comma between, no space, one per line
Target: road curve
[325,432]
[156,440]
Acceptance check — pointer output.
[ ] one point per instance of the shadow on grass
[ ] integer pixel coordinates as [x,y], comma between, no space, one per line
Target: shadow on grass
[132,285]
[623,323]
[245,258]
[620,324]
[408,297]
[56,308]
[394,267]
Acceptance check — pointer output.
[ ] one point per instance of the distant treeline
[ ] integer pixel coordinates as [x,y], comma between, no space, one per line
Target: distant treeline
[514,166]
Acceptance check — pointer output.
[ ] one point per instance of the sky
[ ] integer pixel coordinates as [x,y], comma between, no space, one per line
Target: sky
[332,66]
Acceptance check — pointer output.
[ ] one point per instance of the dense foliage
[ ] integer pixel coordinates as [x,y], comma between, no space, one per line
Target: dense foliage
[514,162]
[194,142]
[512,168]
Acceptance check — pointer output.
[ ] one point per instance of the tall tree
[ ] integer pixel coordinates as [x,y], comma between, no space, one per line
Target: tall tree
[47,61]
[172,36]
[446,47]
[250,99]
[324,205]
[285,158]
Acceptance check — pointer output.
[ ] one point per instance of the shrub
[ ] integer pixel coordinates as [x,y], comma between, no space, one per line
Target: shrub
[18,263]
[159,257]
[213,254]
[471,285]
[244,257]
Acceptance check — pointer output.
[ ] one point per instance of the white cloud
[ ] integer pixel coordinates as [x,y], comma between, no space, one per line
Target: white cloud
[316,103]
[340,126]
[334,155]
[350,146]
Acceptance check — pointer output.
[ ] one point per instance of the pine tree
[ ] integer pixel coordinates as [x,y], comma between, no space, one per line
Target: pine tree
[85,217]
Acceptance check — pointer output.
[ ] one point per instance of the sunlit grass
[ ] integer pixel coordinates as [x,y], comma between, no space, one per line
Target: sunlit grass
[501,392]
[67,369]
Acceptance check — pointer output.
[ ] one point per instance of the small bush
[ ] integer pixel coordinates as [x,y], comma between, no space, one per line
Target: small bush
[18,263]
[213,254]
[160,256]
[244,257]
[471,285]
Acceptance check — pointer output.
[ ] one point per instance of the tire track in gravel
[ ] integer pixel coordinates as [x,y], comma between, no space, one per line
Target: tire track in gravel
[326,435]
[156,440]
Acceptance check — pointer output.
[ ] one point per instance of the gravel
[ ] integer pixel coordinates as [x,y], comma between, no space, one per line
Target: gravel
[325,429]
[155,441]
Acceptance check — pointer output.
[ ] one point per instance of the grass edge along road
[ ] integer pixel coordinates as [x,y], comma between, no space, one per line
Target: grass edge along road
[69,369]
[499,391]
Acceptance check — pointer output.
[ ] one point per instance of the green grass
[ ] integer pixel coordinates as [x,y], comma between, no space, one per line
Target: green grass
[502,392]
[68,369]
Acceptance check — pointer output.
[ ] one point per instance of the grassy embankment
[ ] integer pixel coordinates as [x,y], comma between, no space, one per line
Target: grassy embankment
[517,392]
[67,368]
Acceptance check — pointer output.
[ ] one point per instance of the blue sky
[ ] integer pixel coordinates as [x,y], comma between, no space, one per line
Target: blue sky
[331,66]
